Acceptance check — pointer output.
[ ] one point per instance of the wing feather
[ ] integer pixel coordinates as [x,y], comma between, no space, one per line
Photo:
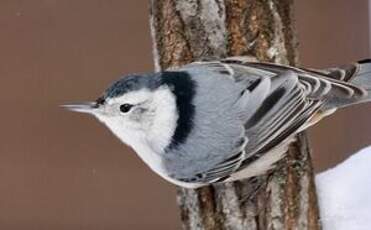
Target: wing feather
[277,101]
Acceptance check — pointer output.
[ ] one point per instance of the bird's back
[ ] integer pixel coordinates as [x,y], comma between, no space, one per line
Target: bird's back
[215,129]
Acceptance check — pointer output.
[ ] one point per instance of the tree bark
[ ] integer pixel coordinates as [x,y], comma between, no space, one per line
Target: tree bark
[187,30]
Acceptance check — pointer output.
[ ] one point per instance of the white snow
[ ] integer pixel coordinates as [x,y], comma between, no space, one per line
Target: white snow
[344,193]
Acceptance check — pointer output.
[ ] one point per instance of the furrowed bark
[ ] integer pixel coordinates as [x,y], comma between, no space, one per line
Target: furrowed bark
[187,30]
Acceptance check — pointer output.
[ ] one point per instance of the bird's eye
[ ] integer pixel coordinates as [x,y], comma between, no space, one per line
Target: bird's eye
[124,108]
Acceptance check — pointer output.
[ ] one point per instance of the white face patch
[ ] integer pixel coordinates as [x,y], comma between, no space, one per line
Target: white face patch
[165,119]
[148,127]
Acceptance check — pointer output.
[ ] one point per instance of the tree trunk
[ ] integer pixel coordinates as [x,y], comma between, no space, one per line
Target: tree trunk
[187,30]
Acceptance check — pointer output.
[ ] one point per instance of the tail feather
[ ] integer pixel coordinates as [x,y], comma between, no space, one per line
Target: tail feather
[355,78]
[362,78]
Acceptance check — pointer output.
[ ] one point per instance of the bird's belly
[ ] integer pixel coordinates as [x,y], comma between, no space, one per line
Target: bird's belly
[157,164]
[182,183]
[265,163]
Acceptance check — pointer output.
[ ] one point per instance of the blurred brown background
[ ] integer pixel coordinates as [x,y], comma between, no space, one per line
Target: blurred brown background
[60,170]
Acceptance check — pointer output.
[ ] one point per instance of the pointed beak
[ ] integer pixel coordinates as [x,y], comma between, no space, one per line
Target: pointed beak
[85,107]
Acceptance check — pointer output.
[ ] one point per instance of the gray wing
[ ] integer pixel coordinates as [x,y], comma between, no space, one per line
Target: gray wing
[277,101]
[339,91]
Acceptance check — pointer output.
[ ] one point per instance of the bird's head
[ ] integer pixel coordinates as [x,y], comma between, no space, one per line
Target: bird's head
[141,110]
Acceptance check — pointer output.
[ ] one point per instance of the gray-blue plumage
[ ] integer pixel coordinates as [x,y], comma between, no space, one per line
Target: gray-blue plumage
[133,82]
[231,115]
[291,99]
[215,127]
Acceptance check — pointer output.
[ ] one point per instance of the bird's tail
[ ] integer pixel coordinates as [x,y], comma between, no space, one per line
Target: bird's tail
[362,78]
[354,87]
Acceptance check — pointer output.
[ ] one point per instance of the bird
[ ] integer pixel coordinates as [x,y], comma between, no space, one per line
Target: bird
[222,120]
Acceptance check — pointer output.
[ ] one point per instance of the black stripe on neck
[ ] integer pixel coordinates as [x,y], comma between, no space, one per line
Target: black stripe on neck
[183,88]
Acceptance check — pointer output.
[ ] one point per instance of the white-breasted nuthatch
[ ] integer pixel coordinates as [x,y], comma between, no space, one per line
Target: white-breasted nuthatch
[215,121]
